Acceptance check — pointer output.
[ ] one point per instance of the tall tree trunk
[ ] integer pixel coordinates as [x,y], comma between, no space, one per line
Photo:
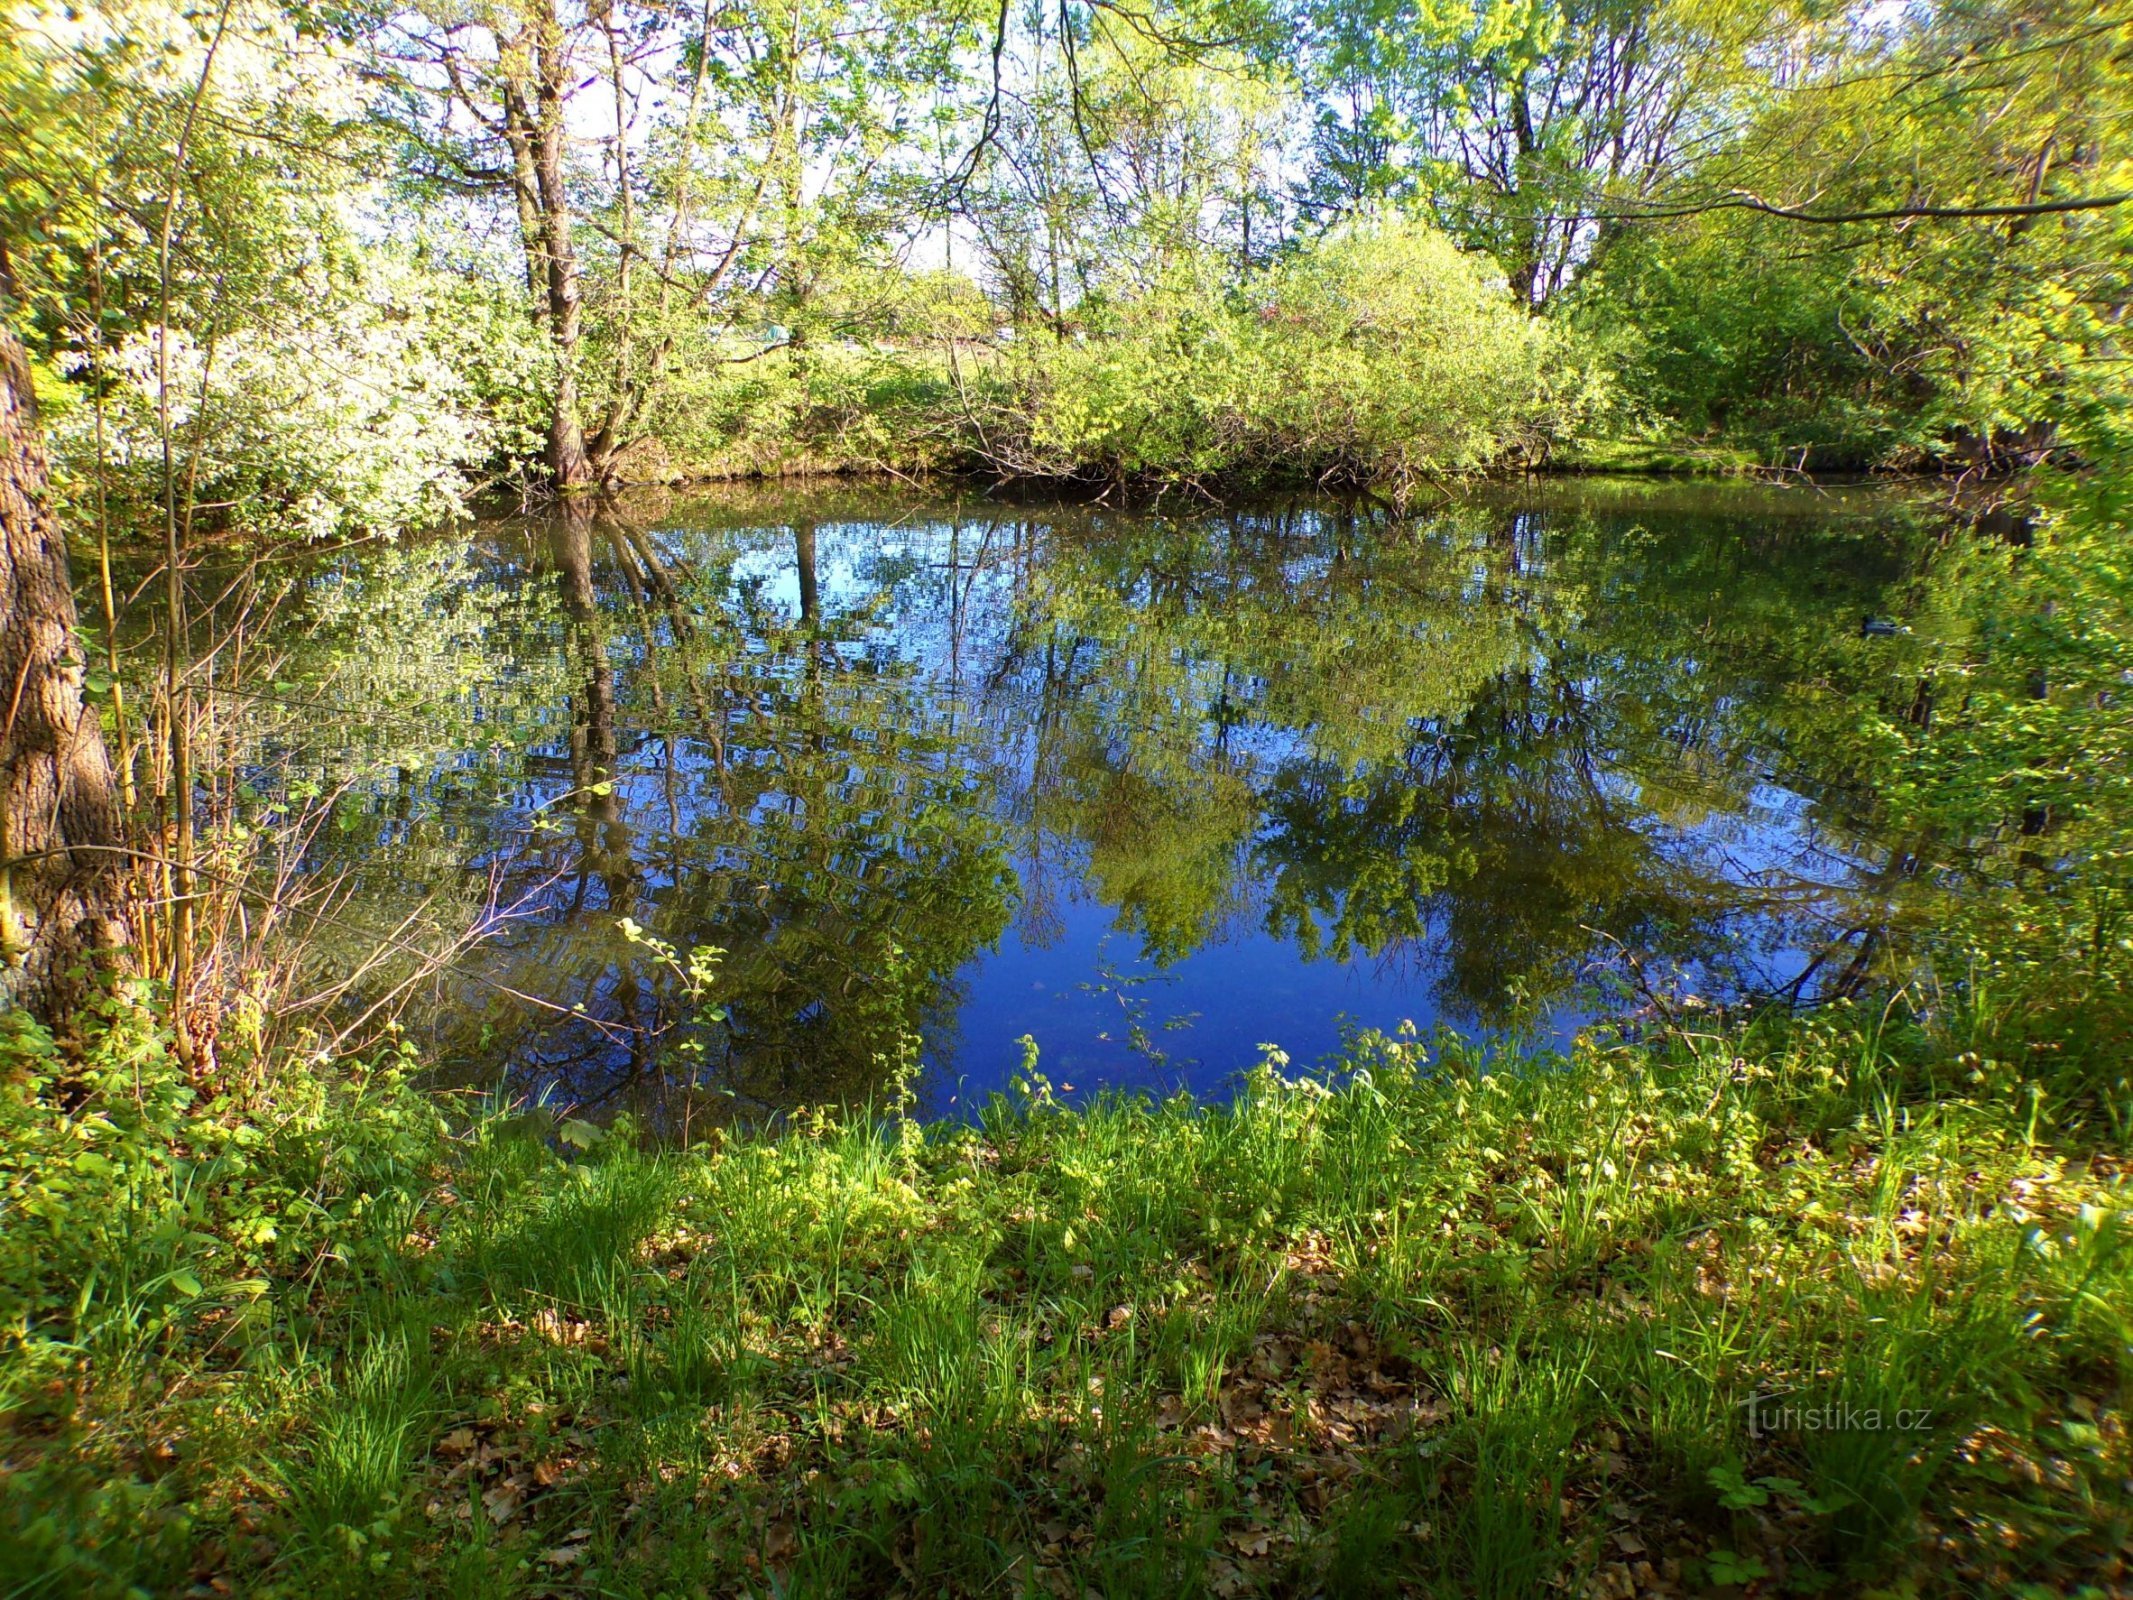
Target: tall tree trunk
[59,816]
[566,434]
[525,194]
[1524,263]
[536,71]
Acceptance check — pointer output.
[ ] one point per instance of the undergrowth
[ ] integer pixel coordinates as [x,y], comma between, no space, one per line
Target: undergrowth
[1818,1307]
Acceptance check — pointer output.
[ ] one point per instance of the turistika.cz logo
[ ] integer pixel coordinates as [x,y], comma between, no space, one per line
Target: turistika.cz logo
[1779,1413]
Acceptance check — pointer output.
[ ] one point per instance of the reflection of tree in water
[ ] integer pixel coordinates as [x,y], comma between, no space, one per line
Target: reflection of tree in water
[1461,745]
[805,816]
[1490,853]
[1482,744]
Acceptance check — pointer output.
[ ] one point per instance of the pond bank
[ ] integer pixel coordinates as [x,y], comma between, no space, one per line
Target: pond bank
[1588,457]
[1808,1306]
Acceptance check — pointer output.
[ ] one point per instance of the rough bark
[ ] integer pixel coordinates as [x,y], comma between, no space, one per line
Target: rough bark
[566,438]
[59,817]
[536,70]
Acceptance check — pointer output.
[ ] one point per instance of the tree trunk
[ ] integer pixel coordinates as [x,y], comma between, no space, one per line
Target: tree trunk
[525,194]
[536,70]
[59,816]
[566,433]
[1523,267]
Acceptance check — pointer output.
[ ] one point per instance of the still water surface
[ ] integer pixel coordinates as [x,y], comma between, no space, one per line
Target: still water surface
[1153,788]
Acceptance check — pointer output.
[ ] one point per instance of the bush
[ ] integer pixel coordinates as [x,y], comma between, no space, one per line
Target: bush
[370,409]
[838,405]
[1383,354]
[2031,756]
[1961,344]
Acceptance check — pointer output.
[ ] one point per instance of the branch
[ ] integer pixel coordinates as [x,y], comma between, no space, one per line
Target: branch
[1743,201]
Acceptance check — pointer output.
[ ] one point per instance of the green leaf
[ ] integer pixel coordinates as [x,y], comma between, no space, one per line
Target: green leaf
[581,1134]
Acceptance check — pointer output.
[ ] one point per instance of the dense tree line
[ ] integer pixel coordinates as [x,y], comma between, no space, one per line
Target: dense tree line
[609,241]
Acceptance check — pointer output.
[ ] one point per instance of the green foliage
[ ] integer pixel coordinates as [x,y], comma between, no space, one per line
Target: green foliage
[1727,338]
[146,1232]
[1114,193]
[1381,354]
[362,411]
[2026,758]
[1442,1324]
[1514,121]
[1438,1323]
[323,372]
[744,407]
[1982,340]
[136,1204]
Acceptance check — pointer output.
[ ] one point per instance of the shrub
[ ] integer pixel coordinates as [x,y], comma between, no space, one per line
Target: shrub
[1383,354]
[371,409]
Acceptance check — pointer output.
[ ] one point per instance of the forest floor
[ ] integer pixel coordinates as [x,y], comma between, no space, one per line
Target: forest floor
[1810,1308]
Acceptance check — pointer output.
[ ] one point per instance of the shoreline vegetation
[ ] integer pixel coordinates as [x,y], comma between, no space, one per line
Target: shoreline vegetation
[1801,1306]
[1829,1299]
[1629,458]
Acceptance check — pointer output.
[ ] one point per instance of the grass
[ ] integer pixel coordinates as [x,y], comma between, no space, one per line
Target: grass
[1428,1328]
[1679,458]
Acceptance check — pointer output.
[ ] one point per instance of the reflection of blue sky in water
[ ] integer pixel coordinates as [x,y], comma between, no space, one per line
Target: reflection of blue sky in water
[1062,673]
[1134,1025]
[1102,1014]
[1128,1022]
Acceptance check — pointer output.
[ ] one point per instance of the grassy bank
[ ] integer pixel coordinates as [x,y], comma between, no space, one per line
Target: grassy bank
[1432,1329]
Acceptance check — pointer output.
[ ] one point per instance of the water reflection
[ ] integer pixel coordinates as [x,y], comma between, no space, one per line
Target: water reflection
[1153,788]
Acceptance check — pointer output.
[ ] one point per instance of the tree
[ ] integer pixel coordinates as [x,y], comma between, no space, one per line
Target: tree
[515,71]
[1919,253]
[59,818]
[323,377]
[745,152]
[1515,120]
[1122,142]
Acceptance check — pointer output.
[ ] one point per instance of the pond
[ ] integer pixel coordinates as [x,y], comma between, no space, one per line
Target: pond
[1152,788]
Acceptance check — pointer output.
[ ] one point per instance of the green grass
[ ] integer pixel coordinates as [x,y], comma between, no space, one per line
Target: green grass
[1679,458]
[1429,1329]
